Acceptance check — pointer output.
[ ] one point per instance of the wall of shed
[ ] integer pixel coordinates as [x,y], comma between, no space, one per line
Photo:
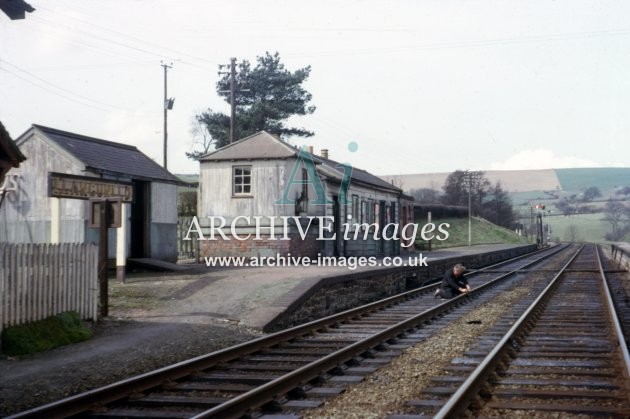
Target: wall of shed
[269,178]
[25,213]
[163,234]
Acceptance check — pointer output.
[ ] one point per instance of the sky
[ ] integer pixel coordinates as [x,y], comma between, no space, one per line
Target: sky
[419,86]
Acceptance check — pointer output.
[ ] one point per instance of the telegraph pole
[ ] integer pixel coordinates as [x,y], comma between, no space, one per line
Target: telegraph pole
[232,91]
[168,104]
[232,99]
[469,209]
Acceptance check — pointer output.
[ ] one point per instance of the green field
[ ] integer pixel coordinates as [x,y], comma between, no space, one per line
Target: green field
[581,227]
[586,227]
[607,179]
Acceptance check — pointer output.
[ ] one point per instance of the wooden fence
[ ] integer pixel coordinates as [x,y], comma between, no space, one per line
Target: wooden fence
[186,249]
[41,280]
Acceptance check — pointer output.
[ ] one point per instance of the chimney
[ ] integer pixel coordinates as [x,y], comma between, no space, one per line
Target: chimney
[310,149]
[325,153]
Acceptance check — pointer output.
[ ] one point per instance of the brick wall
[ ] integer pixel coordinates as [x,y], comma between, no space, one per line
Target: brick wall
[265,247]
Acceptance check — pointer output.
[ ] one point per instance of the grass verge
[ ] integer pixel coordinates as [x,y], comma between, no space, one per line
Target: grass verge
[45,334]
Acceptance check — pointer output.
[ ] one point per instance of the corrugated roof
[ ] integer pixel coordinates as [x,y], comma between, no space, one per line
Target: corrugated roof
[263,145]
[103,156]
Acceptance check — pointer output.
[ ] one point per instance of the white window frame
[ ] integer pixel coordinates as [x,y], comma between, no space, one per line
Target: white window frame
[238,180]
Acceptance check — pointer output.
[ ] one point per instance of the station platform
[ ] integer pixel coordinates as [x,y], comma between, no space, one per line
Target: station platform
[259,297]
[620,254]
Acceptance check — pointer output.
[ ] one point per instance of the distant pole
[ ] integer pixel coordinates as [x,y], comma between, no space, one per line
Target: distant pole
[166,106]
[531,219]
[469,209]
[232,99]
[429,222]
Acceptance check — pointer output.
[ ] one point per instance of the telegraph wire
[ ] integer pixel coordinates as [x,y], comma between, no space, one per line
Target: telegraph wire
[46,88]
[472,44]
[386,49]
[75,41]
[131,37]
[47,85]
[100,38]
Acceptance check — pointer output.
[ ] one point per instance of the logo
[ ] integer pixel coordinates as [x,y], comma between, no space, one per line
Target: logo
[305,159]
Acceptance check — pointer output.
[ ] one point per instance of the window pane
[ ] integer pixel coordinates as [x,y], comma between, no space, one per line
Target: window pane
[241,180]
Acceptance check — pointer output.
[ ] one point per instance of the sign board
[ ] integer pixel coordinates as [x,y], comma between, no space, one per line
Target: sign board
[113,213]
[62,185]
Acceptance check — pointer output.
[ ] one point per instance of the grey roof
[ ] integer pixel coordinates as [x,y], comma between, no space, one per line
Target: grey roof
[107,157]
[359,174]
[263,145]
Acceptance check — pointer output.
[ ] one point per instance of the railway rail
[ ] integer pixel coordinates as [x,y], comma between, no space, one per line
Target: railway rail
[563,354]
[289,369]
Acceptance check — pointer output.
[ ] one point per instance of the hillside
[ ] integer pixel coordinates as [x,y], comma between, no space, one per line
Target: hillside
[511,180]
[607,179]
[530,181]
[482,232]
[528,188]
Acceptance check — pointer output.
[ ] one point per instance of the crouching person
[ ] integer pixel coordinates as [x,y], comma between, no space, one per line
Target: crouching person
[454,283]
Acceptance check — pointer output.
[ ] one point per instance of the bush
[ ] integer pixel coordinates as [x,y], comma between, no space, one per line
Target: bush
[45,334]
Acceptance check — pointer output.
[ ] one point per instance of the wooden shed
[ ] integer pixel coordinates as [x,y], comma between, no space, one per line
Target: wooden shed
[63,170]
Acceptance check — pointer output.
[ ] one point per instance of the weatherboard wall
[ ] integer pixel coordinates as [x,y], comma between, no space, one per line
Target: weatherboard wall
[25,213]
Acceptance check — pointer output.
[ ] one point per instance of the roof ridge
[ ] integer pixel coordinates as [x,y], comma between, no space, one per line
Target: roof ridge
[273,137]
[85,137]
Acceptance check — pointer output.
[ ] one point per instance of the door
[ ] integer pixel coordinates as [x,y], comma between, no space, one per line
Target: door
[140,220]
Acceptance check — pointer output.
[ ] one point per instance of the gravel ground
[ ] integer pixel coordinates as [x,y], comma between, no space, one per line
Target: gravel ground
[118,350]
[387,390]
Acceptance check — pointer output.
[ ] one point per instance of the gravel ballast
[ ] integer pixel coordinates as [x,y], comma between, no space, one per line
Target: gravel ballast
[387,390]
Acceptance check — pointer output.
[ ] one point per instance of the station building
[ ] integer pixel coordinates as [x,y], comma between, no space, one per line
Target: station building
[46,200]
[245,184]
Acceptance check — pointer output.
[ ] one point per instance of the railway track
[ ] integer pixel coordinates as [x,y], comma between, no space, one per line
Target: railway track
[561,355]
[293,369]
